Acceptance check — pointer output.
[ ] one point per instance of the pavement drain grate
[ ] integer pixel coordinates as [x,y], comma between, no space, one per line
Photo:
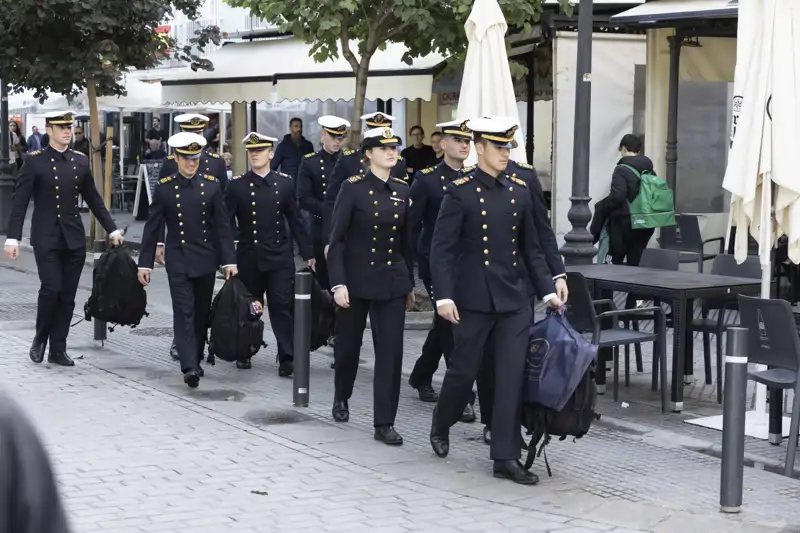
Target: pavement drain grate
[218,395]
[152,332]
[274,418]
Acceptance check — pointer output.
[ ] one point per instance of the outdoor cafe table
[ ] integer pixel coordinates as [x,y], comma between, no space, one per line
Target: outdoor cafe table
[678,288]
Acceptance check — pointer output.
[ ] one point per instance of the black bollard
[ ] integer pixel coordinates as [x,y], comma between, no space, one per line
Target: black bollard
[100,326]
[733,421]
[302,337]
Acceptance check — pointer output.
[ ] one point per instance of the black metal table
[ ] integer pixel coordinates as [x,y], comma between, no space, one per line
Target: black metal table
[678,288]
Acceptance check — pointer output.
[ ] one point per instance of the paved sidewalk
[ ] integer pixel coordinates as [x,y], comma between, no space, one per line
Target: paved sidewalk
[135,450]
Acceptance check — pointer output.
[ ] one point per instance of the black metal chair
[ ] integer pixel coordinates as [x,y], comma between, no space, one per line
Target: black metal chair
[692,240]
[723,265]
[660,259]
[583,316]
[772,340]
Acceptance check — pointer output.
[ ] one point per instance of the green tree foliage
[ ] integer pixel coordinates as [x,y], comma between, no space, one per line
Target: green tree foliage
[423,26]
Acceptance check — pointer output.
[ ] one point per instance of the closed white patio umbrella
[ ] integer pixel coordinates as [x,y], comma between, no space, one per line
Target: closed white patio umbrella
[487,89]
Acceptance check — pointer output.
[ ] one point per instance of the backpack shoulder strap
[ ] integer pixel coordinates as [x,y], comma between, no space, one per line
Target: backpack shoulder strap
[635,172]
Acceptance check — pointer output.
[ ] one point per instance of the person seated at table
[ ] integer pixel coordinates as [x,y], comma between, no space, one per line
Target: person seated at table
[626,245]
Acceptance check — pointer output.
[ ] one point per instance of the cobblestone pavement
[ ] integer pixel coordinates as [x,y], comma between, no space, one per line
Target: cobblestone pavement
[135,450]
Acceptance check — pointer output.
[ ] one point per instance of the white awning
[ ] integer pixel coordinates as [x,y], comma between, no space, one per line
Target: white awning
[667,10]
[282,69]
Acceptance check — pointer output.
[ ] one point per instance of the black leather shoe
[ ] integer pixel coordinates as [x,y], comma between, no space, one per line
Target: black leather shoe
[192,378]
[468,415]
[60,358]
[387,435]
[426,393]
[286,369]
[173,351]
[440,439]
[487,435]
[36,352]
[340,411]
[244,364]
[514,471]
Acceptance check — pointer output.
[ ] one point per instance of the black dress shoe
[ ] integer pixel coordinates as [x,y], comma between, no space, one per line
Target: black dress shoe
[244,364]
[468,415]
[440,438]
[487,435]
[514,471]
[173,351]
[426,393]
[60,358]
[192,378]
[340,411]
[286,368]
[387,435]
[36,352]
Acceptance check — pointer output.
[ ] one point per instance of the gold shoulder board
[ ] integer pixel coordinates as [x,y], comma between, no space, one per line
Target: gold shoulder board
[172,156]
[355,179]
[399,157]
[165,180]
[398,180]
[35,152]
[525,165]
[77,153]
[427,170]
[470,168]
[348,151]
[209,177]
[214,154]
[461,181]
[308,156]
[235,177]
[518,181]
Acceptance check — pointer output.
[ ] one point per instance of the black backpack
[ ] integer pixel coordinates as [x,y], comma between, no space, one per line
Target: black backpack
[574,420]
[117,296]
[237,331]
[322,314]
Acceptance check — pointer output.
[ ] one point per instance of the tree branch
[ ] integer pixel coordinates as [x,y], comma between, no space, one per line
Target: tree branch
[347,52]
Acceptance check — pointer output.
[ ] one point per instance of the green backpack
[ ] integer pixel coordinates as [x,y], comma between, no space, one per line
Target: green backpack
[654,206]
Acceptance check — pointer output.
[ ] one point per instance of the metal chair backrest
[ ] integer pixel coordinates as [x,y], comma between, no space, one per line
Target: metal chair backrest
[726,265]
[689,227]
[660,258]
[772,337]
[581,312]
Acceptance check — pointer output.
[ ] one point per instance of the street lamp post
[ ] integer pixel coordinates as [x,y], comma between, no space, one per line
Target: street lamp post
[6,172]
[578,249]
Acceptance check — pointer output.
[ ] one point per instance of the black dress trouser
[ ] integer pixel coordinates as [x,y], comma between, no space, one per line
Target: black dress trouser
[191,307]
[278,285]
[505,336]
[59,274]
[387,321]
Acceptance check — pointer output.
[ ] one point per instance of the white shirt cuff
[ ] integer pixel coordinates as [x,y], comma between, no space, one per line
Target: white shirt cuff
[549,297]
[446,301]
[159,244]
[115,233]
[147,269]
[560,276]
[228,266]
[12,242]
[337,286]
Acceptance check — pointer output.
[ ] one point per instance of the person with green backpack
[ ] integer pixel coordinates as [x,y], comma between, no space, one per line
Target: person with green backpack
[638,203]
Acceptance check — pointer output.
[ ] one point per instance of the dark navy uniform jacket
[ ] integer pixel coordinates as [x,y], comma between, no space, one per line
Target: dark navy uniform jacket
[427,193]
[370,244]
[350,164]
[199,237]
[262,206]
[54,180]
[312,181]
[540,219]
[485,249]
[210,163]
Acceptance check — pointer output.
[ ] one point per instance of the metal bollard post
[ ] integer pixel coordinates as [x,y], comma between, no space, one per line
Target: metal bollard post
[100,326]
[302,337]
[733,420]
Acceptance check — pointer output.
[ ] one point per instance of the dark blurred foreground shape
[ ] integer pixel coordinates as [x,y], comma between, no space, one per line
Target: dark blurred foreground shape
[29,499]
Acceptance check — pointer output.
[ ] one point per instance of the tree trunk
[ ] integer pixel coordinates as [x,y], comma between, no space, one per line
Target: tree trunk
[96,232]
[362,75]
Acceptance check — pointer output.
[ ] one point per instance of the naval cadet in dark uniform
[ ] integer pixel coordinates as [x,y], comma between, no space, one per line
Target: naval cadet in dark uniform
[54,177]
[351,163]
[427,193]
[261,202]
[209,164]
[371,273]
[485,256]
[312,184]
[199,240]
